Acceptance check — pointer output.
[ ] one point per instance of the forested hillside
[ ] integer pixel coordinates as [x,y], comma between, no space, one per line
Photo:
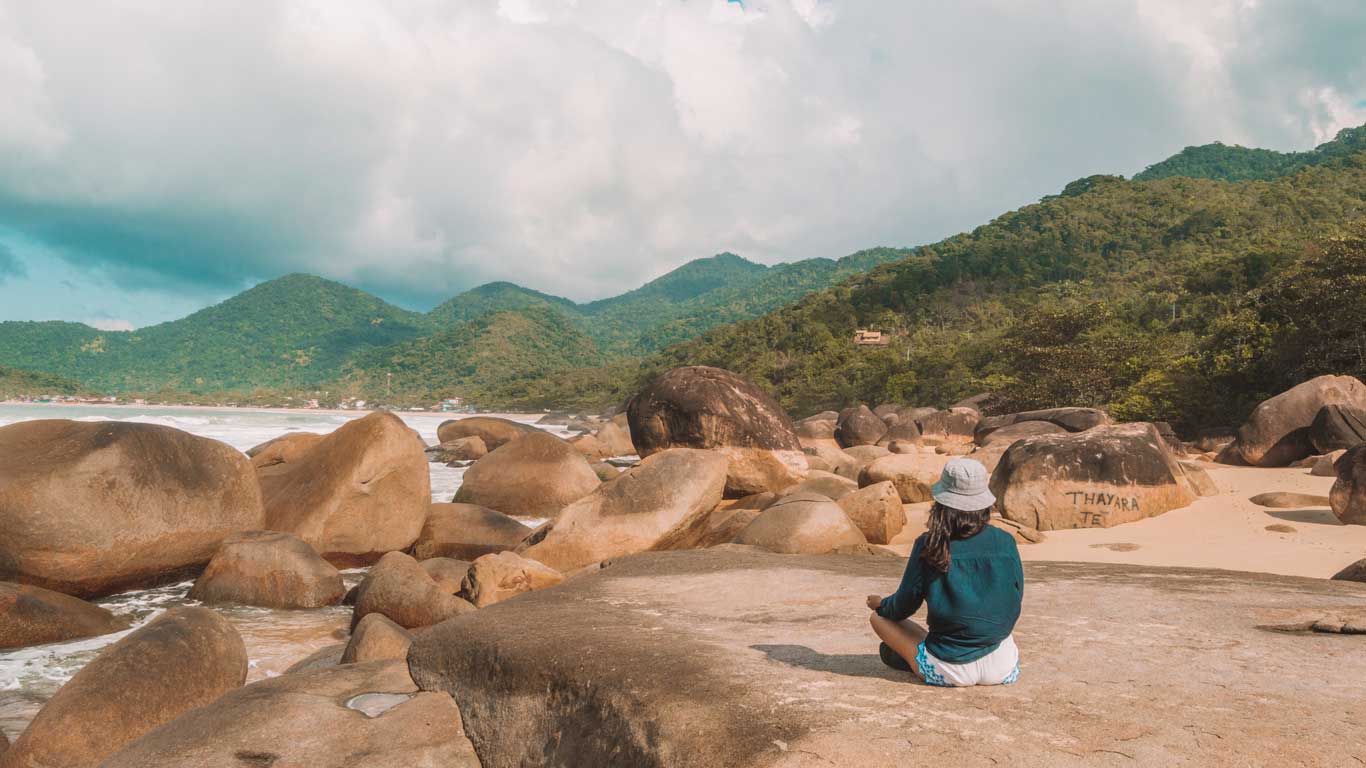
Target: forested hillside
[17,383]
[1222,162]
[1179,299]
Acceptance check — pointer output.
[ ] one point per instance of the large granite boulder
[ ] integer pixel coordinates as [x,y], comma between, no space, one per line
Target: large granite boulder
[954,425]
[283,449]
[352,716]
[535,476]
[93,508]
[645,507]
[467,531]
[876,510]
[358,493]
[801,524]
[858,425]
[183,659]
[32,615]
[1348,496]
[912,474]
[269,569]
[1338,427]
[492,431]
[376,638]
[713,409]
[495,578]
[1099,478]
[1277,432]
[406,594]
[753,660]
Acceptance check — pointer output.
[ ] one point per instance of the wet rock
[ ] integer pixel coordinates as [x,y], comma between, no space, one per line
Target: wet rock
[32,615]
[649,505]
[93,508]
[358,493]
[713,409]
[493,431]
[859,426]
[269,569]
[376,638]
[801,524]
[535,476]
[401,590]
[447,572]
[1277,432]
[283,449]
[183,659]
[911,474]
[1338,427]
[876,511]
[369,715]
[1102,477]
[467,531]
[1348,497]
[495,578]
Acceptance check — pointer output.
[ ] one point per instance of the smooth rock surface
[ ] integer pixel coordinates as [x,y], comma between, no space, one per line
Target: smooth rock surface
[858,425]
[357,493]
[803,523]
[1277,432]
[955,424]
[283,449]
[314,719]
[269,569]
[466,531]
[183,659]
[1066,419]
[1338,427]
[912,474]
[492,431]
[651,676]
[495,578]
[661,500]
[32,615]
[447,572]
[401,590]
[876,510]
[376,638]
[534,476]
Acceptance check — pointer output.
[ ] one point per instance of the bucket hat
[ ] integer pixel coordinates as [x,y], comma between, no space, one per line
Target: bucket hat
[963,485]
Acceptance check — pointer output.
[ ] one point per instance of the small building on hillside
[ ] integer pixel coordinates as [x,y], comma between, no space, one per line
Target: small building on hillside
[867,338]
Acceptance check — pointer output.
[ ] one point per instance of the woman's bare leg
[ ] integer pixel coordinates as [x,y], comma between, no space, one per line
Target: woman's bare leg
[904,637]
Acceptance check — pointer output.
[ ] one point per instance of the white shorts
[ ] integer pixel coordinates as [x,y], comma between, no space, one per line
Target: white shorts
[1000,667]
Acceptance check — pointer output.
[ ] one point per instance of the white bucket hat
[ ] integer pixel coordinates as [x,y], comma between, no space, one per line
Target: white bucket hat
[964,485]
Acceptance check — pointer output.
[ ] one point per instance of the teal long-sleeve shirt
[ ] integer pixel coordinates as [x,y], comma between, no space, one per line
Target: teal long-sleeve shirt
[974,606]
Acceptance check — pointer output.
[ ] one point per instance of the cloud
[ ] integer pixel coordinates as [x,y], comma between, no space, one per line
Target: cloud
[417,147]
[10,265]
[110,324]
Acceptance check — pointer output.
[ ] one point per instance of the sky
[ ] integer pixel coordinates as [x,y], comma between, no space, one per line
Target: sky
[157,156]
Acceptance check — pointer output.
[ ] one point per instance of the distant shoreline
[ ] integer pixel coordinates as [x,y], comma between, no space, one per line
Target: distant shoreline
[274,409]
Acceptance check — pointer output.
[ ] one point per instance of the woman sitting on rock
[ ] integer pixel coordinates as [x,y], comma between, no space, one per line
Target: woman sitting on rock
[969,575]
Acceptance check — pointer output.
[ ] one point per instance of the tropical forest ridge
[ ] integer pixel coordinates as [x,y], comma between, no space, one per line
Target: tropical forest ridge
[1203,285]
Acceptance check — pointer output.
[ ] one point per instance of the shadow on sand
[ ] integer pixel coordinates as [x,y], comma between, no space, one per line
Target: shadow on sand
[1309,516]
[848,664]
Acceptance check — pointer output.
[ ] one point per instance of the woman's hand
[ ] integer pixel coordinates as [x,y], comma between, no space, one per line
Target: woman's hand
[874,602]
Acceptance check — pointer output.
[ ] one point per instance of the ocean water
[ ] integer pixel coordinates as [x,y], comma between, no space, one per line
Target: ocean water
[275,639]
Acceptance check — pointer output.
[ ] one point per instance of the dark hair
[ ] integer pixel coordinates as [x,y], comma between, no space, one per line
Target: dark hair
[947,524]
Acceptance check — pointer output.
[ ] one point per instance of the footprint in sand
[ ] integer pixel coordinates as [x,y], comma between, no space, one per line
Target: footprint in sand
[1116,546]
[1281,528]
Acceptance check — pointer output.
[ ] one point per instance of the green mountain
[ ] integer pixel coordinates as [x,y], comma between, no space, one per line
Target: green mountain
[1237,163]
[18,383]
[495,352]
[495,297]
[1186,300]
[292,332]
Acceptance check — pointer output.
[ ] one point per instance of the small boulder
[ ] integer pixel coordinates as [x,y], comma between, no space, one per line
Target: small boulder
[376,638]
[400,589]
[616,439]
[827,484]
[902,432]
[911,474]
[94,508]
[357,493]
[1354,572]
[492,431]
[1099,478]
[1338,427]
[713,409]
[867,454]
[283,449]
[876,510]
[802,524]
[460,449]
[447,572]
[1326,465]
[183,659]
[495,578]
[535,476]
[859,426]
[591,449]
[269,569]
[840,462]
[658,500]
[32,615]
[466,531]
[347,716]
[816,430]
[954,425]
[1277,432]
[1348,497]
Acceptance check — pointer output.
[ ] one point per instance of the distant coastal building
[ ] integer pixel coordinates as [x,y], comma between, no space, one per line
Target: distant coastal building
[867,338]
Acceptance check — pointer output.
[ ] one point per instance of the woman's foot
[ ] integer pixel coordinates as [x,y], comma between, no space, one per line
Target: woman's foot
[892,659]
